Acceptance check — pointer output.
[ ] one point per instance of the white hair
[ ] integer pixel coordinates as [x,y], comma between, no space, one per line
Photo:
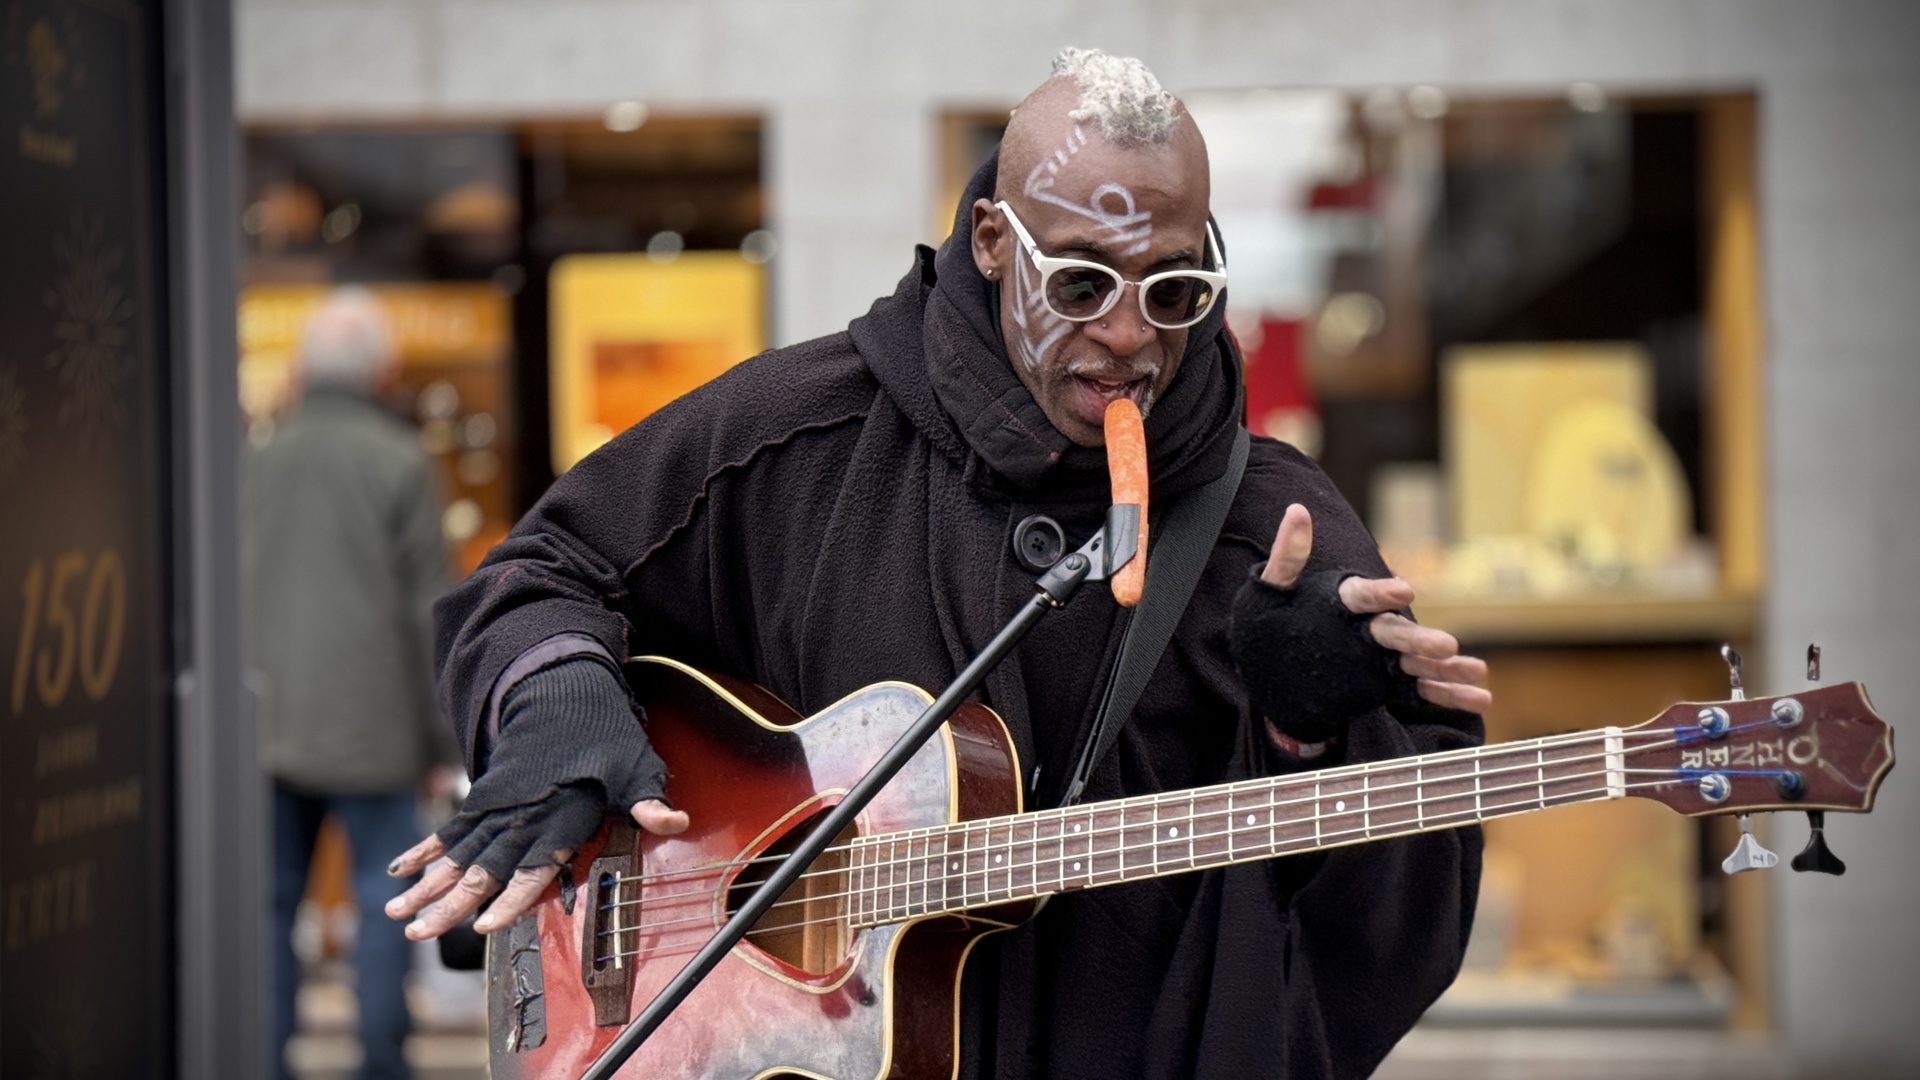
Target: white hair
[1121,94]
[347,340]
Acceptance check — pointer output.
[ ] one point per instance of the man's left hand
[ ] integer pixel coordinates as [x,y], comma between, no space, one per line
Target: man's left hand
[1431,656]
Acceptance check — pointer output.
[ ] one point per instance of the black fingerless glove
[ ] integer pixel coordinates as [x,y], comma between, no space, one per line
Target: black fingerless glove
[570,747]
[1309,664]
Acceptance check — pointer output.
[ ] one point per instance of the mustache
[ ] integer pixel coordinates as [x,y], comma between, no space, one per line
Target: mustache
[1104,371]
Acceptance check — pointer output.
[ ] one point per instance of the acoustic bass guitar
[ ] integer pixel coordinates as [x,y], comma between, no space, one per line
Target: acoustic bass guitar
[854,973]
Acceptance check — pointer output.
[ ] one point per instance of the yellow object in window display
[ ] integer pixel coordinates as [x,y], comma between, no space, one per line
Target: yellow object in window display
[1496,402]
[1606,490]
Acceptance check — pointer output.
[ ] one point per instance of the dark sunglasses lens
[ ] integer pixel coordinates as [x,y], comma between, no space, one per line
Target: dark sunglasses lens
[1079,292]
[1178,300]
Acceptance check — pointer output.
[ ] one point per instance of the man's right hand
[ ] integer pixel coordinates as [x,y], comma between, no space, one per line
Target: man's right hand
[570,749]
[447,893]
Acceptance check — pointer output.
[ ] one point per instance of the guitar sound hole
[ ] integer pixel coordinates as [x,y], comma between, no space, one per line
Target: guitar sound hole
[807,927]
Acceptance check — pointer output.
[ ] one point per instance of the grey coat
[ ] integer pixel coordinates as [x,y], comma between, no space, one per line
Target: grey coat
[344,561]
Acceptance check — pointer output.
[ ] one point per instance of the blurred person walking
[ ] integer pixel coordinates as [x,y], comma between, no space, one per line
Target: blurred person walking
[345,560]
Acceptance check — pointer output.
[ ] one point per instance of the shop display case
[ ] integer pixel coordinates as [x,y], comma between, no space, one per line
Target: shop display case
[466,233]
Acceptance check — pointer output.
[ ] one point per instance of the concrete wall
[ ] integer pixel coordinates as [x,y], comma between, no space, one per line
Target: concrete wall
[850,89]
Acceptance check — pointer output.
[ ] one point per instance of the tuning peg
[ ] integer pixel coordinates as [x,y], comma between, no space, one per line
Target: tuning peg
[1817,855]
[1813,663]
[1748,854]
[1733,673]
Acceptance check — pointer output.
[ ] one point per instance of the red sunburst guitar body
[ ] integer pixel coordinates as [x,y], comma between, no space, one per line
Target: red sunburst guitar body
[818,1000]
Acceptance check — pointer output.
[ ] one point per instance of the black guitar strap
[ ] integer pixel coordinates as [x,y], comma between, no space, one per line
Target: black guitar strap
[1186,531]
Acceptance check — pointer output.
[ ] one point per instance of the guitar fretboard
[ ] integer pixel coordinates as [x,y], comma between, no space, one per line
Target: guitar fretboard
[912,873]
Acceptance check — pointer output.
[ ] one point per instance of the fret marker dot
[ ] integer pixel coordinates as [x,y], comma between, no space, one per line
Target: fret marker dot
[1076,828]
[997,858]
[1340,804]
[1173,832]
[1076,867]
[1249,819]
[956,867]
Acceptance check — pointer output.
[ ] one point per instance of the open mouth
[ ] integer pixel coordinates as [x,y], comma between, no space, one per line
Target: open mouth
[1111,390]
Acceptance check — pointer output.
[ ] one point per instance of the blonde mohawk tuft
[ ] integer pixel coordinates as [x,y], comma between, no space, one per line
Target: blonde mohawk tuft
[1120,93]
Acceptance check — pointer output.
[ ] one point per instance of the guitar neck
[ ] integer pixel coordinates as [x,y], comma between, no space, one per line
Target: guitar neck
[903,875]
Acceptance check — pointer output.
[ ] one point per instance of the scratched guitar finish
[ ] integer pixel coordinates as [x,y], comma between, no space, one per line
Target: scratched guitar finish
[854,973]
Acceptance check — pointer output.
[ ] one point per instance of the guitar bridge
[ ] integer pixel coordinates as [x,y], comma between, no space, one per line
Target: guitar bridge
[609,936]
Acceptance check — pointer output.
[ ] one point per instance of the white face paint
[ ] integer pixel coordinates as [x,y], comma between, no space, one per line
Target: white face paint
[1128,226]
[1040,329]
[1070,378]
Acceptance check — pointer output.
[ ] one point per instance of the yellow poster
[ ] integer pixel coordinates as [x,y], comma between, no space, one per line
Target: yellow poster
[631,334]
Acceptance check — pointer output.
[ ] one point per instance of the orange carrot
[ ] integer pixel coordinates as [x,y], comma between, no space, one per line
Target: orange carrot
[1127,464]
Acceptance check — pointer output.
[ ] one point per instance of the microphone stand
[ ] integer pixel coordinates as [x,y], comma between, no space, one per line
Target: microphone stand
[1098,559]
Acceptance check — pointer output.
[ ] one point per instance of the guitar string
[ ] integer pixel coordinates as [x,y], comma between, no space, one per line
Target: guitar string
[1249,787]
[895,861]
[663,951]
[1673,737]
[1436,761]
[904,864]
[905,890]
[913,860]
[987,898]
[908,836]
[909,861]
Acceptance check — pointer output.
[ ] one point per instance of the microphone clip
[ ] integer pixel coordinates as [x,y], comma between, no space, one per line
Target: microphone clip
[1102,556]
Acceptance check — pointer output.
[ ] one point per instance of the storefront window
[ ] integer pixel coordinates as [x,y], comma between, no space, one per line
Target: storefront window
[485,242]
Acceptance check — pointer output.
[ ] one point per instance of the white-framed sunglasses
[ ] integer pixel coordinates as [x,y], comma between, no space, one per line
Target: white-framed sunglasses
[1078,290]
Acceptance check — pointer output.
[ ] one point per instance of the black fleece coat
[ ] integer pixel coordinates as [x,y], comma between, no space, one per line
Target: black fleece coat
[840,512]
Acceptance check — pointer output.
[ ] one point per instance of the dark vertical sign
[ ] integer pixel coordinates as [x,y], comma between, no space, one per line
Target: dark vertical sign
[86,834]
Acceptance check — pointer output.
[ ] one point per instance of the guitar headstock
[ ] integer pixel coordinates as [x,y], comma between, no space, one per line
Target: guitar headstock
[1823,748]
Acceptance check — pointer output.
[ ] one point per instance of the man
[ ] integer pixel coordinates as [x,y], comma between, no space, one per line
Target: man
[345,559]
[839,513]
